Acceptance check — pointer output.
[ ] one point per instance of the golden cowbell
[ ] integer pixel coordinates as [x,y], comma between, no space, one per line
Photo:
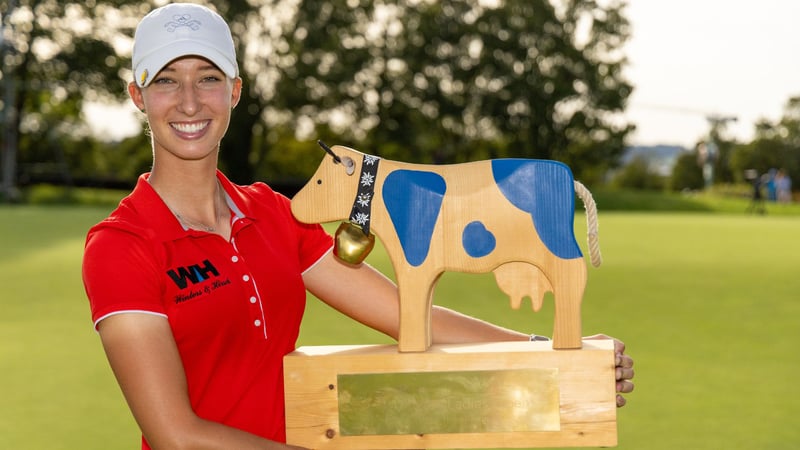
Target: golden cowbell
[352,245]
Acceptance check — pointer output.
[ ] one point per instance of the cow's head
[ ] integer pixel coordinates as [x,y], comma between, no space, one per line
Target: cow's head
[328,195]
[335,192]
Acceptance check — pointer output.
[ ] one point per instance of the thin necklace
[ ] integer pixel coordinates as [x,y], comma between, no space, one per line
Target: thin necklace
[187,223]
[195,225]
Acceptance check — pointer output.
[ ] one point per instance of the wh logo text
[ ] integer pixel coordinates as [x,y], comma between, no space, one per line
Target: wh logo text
[195,273]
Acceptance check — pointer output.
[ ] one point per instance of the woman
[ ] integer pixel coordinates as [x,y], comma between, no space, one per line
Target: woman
[197,286]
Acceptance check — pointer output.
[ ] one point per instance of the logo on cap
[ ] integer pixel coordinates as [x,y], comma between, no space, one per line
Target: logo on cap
[182,20]
[143,78]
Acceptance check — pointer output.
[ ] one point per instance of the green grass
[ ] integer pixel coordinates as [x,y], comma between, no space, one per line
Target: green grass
[46,194]
[707,304]
[57,390]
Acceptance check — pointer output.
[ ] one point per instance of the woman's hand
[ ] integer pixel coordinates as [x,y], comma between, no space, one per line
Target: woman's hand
[624,368]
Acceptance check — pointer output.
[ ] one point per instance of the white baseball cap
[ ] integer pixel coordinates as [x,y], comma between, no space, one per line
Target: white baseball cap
[181,29]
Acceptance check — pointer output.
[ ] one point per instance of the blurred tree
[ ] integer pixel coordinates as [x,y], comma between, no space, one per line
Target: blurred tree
[447,81]
[713,153]
[638,174]
[775,146]
[56,55]
[252,28]
[420,80]
[686,174]
[722,166]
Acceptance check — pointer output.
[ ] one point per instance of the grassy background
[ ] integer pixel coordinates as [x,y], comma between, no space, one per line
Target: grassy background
[707,304]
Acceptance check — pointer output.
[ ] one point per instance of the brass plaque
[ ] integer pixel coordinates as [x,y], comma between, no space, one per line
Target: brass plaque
[487,401]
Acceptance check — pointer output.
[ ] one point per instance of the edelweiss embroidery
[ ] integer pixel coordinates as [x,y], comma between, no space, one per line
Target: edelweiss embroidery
[363,199]
[367,179]
[360,219]
[360,214]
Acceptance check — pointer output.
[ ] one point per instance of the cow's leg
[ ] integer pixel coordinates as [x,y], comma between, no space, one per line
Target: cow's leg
[568,278]
[416,301]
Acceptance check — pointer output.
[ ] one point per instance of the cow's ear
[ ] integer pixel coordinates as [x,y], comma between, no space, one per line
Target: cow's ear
[349,165]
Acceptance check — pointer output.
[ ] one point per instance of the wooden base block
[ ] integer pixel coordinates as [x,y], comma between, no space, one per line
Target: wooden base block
[494,395]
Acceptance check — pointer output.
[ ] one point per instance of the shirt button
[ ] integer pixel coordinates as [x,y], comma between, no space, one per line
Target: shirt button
[257,323]
[234,258]
[252,299]
[246,278]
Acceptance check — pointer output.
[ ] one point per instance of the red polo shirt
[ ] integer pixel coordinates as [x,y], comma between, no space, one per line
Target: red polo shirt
[234,307]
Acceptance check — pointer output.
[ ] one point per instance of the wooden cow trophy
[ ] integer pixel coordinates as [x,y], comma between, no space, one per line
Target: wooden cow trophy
[513,217]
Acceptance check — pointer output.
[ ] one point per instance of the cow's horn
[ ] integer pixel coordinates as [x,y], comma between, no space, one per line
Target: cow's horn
[329,151]
[349,164]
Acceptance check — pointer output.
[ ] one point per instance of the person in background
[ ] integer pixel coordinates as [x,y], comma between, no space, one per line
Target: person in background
[757,198]
[769,182]
[783,186]
[197,286]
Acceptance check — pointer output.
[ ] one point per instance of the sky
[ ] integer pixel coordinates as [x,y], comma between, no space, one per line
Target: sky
[693,58]
[688,59]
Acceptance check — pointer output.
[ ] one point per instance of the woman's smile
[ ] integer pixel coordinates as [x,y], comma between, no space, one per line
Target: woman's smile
[190,128]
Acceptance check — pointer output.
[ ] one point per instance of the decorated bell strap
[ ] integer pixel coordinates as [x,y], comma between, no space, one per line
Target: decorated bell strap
[362,205]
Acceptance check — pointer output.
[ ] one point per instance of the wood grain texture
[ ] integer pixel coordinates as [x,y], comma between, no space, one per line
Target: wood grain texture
[513,217]
[585,376]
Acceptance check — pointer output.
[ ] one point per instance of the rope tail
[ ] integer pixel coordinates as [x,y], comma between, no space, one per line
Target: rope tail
[591,223]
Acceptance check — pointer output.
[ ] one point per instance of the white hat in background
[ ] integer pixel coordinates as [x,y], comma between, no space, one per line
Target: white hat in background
[181,29]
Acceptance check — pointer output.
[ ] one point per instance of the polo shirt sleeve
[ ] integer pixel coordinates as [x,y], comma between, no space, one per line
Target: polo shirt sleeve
[313,242]
[120,273]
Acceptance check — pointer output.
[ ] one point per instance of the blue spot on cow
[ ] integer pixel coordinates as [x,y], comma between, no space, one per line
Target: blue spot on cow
[477,240]
[545,190]
[413,200]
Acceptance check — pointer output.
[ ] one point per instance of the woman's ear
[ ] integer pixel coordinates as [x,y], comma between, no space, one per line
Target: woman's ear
[135,92]
[236,92]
